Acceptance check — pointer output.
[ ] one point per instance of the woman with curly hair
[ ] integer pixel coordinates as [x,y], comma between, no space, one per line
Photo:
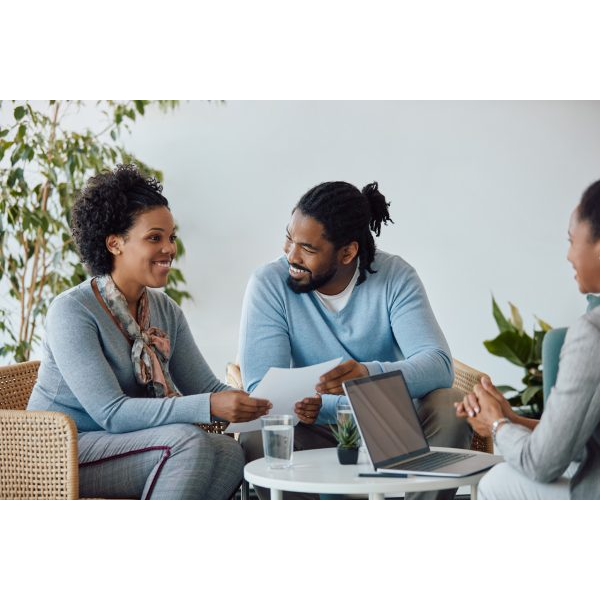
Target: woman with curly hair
[119,358]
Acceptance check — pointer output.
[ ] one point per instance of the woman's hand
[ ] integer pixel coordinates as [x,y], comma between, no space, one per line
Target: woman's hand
[236,406]
[469,407]
[331,382]
[482,407]
[308,409]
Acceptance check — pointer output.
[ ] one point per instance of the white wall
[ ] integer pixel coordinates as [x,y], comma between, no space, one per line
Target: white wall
[481,194]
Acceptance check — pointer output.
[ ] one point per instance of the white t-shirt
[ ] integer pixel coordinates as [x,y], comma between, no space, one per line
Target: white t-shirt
[337,302]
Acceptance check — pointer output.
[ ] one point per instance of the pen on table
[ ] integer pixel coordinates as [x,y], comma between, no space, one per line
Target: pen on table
[382,475]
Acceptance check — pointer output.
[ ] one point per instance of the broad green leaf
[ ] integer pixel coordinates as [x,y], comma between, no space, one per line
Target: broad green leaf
[14,176]
[16,155]
[501,321]
[19,112]
[505,388]
[21,132]
[543,324]
[516,318]
[536,349]
[528,394]
[512,346]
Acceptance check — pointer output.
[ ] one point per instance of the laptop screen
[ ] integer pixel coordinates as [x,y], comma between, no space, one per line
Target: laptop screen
[386,417]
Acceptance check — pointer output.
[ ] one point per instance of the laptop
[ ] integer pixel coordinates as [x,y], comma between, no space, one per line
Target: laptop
[390,428]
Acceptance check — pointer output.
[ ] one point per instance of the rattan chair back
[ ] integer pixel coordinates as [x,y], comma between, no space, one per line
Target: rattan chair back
[465,378]
[38,456]
[16,383]
[38,449]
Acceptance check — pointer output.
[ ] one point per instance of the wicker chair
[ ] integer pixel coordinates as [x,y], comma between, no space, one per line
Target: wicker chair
[465,378]
[38,449]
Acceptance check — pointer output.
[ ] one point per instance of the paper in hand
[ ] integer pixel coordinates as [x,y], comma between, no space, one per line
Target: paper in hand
[283,388]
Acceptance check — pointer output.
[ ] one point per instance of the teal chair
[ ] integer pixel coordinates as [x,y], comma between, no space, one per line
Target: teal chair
[551,347]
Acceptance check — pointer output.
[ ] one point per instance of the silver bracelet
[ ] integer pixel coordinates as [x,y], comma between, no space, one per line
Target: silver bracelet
[495,426]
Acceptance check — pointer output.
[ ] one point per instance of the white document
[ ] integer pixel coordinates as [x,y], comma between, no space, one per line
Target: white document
[283,388]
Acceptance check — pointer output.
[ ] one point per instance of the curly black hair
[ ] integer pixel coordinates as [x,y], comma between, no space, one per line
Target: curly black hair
[589,209]
[109,204]
[348,215]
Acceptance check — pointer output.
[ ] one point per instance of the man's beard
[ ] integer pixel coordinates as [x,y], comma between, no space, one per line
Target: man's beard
[314,283]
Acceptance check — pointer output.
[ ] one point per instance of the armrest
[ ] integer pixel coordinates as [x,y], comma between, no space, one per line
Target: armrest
[234,376]
[465,377]
[38,456]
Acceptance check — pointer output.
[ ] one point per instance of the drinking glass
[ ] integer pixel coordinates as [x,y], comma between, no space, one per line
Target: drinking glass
[343,412]
[278,440]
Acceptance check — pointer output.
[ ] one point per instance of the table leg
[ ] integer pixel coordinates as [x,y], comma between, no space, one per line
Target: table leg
[376,496]
[245,493]
[276,494]
[474,492]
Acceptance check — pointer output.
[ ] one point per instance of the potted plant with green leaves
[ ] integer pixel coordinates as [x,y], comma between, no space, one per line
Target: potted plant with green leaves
[524,351]
[348,439]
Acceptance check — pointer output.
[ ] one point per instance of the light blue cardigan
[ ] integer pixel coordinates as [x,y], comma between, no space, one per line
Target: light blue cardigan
[87,373]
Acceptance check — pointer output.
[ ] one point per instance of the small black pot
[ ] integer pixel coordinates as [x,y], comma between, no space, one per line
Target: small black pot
[347,456]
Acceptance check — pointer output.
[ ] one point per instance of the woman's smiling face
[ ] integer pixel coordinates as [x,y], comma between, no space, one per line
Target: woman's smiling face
[143,256]
[584,255]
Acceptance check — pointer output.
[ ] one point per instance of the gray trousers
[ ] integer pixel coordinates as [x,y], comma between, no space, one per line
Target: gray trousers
[437,415]
[503,482]
[170,462]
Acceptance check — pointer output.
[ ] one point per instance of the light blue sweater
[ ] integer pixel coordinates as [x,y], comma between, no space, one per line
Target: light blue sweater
[387,325]
[87,373]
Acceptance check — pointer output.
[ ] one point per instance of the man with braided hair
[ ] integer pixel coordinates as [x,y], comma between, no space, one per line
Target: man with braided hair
[334,294]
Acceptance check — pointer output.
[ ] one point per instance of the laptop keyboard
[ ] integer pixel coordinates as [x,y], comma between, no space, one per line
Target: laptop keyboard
[431,462]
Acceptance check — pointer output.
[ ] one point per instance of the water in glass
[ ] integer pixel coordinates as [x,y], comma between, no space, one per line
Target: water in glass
[278,441]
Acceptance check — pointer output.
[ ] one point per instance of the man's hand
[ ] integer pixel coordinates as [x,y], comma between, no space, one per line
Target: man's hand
[331,382]
[308,409]
[236,406]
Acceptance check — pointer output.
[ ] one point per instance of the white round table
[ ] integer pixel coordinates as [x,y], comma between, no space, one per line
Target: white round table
[319,472]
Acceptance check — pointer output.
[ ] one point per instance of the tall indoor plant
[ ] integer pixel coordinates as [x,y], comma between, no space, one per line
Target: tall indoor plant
[43,163]
[523,350]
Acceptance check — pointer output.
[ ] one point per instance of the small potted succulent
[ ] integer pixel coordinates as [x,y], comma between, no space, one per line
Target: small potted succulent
[348,439]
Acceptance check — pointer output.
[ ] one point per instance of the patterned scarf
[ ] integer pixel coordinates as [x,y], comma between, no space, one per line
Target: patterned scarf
[150,346]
